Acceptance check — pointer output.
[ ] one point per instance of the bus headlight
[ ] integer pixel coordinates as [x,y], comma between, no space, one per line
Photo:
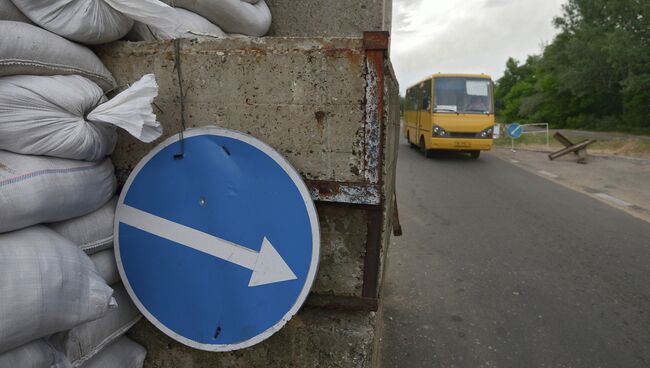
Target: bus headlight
[439,132]
[487,133]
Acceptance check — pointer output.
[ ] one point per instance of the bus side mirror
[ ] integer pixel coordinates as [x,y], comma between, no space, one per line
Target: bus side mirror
[425,104]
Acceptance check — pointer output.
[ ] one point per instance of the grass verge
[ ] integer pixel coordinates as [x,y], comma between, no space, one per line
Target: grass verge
[628,146]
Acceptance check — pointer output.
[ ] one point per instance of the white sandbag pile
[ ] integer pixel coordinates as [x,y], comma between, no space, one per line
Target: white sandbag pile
[47,285]
[82,343]
[95,22]
[215,18]
[57,128]
[91,22]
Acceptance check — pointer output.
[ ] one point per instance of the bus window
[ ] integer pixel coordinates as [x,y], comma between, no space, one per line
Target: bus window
[411,100]
[425,95]
[463,95]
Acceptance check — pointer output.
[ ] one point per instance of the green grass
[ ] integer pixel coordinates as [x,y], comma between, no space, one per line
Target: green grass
[614,146]
[527,139]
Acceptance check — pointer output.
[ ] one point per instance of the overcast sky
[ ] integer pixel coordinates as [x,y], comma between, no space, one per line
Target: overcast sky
[467,36]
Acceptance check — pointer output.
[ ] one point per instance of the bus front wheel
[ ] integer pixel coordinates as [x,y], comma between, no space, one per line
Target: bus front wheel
[475,154]
[423,148]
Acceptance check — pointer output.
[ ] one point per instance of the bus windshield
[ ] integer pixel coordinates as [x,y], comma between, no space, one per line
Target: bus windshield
[463,95]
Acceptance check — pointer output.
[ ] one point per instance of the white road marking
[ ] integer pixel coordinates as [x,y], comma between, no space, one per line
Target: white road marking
[268,266]
[614,200]
[514,161]
[546,173]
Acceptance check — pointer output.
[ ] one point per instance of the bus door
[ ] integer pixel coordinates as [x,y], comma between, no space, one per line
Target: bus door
[411,114]
[424,110]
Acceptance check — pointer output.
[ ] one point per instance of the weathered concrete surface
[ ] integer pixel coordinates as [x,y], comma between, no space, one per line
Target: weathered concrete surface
[313,338]
[329,18]
[304,97]
[343,241]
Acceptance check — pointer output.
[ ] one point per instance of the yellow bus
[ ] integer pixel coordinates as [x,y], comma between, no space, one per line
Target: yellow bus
[451,112]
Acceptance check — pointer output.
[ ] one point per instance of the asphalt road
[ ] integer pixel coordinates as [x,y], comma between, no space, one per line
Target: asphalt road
[502,268]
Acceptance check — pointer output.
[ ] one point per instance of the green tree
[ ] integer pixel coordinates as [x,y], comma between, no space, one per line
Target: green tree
[595,74]
[517,84]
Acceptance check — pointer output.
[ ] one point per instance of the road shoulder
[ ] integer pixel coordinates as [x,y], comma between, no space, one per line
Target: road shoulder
[621,182]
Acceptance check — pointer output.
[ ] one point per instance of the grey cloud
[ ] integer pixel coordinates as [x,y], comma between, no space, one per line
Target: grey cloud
[475,36]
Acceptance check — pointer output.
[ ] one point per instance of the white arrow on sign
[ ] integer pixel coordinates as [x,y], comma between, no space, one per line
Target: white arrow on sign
[268,266]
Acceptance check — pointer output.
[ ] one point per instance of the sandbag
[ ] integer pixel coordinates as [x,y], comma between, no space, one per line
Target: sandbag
[35,189]
[93,232]
[47,285]
[83,342]
[232,16]
[123,353]
[28,50]
[106,266]
[251,18]
[36,354]
[91,22]
[8,11]
[67,116]
[193,24]
[160,17]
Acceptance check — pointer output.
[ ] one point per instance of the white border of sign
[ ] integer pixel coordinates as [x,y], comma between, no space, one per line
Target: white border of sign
[313,218]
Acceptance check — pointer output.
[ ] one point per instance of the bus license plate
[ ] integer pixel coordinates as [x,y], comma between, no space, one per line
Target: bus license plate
[461,144]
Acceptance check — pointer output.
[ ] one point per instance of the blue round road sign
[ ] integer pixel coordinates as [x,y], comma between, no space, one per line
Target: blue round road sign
[515,130]
[218,249]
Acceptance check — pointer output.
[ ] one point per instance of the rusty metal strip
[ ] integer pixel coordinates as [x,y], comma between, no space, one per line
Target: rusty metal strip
[346,303]
[372,158]
[378,40]
[337,192]
[376,45]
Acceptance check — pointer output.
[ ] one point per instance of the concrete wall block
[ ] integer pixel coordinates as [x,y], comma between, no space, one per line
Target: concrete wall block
[329,18]
[343,241]
[304,97]
[311,339]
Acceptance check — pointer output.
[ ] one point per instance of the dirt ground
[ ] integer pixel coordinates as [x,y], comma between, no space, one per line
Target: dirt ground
[622,182]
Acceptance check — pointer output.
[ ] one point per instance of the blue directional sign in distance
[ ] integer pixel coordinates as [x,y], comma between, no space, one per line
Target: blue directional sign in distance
[515,130]
[218,249]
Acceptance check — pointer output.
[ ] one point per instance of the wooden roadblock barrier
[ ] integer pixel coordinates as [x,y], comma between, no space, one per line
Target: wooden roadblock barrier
[579,149]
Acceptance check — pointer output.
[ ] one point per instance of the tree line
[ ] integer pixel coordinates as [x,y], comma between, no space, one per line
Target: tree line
[595,74]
